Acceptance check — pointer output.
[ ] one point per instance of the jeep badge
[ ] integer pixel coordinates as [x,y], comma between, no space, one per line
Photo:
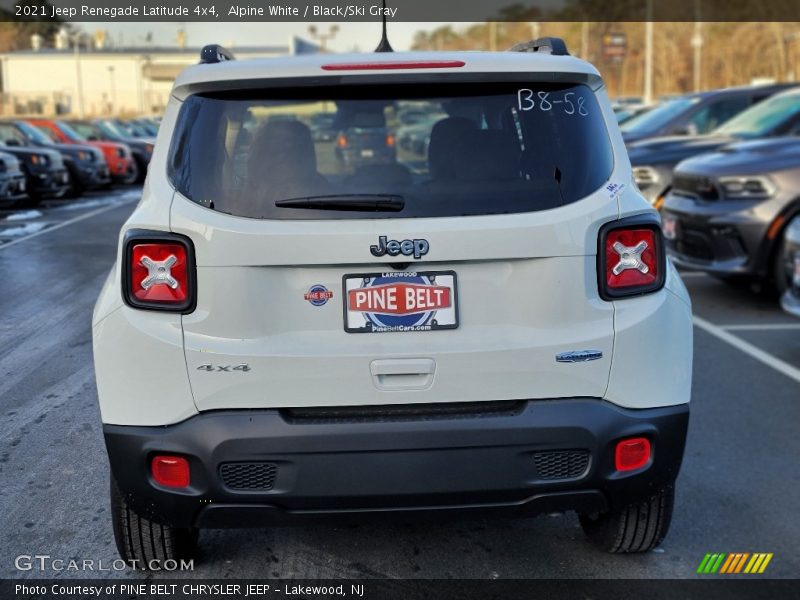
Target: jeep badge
[417,247]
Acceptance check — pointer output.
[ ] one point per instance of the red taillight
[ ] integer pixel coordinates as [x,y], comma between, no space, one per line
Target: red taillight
[341,141]
[170,471]
[631,260]
[390,140]
[632,454]
[394,65]
[159,272]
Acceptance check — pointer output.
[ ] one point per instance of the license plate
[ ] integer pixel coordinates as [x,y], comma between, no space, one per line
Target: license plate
[367,153]
[670,228]
[400,301]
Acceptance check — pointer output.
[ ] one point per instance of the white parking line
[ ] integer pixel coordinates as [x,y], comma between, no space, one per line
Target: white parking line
[749,349]
[83,217]
[761,327]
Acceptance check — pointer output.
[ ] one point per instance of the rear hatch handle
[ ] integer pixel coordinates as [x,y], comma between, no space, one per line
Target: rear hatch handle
[402,373]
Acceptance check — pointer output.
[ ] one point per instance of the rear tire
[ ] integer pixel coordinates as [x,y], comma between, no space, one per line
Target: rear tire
[636,528]
[781,268]
[140,541]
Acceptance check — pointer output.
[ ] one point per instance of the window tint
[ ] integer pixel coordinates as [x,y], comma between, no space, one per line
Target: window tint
[763,118]
[658,117]
[9,133]
[391,151]
[716,113]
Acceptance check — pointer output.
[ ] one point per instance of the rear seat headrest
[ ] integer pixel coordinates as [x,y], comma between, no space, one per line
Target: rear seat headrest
[447,137]
[488,155]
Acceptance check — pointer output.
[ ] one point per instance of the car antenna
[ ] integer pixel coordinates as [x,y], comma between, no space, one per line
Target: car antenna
[384,45]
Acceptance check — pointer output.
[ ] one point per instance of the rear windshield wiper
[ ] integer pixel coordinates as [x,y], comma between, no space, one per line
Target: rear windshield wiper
[359,202]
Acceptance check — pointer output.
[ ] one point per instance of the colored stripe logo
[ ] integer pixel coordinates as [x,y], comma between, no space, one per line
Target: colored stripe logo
[736,562]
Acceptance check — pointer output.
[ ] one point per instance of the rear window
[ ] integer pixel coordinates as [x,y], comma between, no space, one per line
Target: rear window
[427,150]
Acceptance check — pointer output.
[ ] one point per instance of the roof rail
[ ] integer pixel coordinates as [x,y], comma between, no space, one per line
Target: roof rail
[214,53]
[546,45]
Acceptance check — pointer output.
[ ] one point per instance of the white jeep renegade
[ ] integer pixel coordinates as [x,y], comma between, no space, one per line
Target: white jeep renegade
[391,283]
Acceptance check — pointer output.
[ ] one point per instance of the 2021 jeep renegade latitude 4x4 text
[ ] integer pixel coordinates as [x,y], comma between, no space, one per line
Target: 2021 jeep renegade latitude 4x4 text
[484,321]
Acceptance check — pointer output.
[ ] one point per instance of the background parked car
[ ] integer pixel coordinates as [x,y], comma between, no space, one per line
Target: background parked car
[141,148]
[365,140]
[121,165]
[626,113]
[12,181]
[323,127]
[790,301]
[87,167]
[727,210]
[653,160]
[141,127]
[696,114]
[46,176]
[415,138]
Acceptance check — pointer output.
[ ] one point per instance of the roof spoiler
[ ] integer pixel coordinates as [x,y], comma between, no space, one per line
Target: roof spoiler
[214,53]
[546,45]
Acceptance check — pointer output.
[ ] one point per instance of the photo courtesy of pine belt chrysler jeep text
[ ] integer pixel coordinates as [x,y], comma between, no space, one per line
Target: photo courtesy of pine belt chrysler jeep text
[304,326]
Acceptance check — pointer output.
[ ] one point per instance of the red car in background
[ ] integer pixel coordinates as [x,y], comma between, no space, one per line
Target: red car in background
[120,160]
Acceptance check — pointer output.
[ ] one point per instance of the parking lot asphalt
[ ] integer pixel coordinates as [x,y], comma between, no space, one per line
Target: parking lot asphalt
[739,490]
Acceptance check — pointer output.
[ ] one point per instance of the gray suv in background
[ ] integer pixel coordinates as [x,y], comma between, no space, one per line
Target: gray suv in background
[727,210]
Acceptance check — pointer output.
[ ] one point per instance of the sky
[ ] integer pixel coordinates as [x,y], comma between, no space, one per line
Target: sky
[351,36]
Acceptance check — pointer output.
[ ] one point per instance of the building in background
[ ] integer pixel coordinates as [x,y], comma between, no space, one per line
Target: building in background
[96,80]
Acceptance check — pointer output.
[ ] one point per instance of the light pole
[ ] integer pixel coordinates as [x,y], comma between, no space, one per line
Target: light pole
[585,40]
[113,89]
[697,62]
[323,37]
[76,41]
[648,54]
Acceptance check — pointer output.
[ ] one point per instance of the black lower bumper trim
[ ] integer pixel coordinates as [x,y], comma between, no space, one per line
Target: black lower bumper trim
[358,469]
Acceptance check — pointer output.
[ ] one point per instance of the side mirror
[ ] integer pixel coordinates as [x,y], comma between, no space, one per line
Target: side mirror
[13,142]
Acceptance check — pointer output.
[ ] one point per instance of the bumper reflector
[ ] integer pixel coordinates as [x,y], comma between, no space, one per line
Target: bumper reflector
[170,471]
[632,454]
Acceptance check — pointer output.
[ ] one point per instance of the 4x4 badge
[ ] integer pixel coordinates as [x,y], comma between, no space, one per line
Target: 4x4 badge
[417,247]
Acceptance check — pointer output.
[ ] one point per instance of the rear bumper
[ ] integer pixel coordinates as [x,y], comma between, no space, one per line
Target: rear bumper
[499,462]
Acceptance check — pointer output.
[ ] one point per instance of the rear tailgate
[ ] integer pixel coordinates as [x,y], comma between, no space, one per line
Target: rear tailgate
[525,291]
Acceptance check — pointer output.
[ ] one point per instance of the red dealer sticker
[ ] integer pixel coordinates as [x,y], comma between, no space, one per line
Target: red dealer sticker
[400,301]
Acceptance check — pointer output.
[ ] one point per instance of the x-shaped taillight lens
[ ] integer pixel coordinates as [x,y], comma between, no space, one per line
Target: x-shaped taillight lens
[158,275]
[631,263]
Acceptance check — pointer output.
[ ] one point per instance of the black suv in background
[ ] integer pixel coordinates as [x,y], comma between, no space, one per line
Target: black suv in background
[86,165]
[106,131]
[695,114]
[654,159]
[12,181]
[727,210]
[45,173]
